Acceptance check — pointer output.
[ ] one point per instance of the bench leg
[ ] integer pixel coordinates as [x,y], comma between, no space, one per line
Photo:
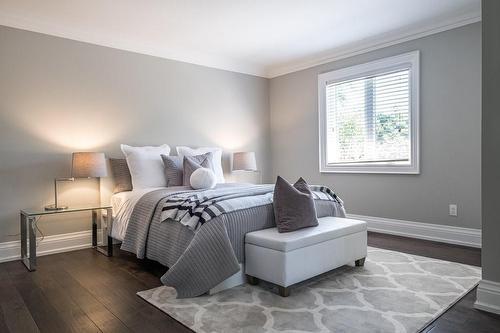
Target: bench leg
[252,280]
[360,262]
[284,291]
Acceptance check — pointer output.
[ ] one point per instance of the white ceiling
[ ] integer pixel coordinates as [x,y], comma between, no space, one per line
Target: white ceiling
[260,37]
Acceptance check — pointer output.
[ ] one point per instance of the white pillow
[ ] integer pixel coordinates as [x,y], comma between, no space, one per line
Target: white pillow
[203,178]
[216,162]
[146,166]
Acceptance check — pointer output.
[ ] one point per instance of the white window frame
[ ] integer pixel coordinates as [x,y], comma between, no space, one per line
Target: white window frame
[407,60]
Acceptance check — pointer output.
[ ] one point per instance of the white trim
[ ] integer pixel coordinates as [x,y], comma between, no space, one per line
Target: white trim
[409,60]
[434,232]
[488,296]
[373,44]
[51,244]
[206,59]
[214,61]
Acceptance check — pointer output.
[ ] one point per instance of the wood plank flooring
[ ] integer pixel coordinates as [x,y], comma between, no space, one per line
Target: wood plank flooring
[84,291]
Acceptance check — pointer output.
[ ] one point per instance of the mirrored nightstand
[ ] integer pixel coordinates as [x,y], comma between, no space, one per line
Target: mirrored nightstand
[28,230]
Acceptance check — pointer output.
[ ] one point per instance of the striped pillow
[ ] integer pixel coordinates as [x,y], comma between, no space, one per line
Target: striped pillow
[191,163]
[173,170]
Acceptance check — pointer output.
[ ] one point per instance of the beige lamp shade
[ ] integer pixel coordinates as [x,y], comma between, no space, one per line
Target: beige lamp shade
[244,161]
[88,165]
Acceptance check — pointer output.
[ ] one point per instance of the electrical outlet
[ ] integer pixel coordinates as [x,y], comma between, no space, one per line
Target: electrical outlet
[453,210]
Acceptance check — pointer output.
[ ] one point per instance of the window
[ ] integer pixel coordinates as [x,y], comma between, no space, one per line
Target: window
[369,117]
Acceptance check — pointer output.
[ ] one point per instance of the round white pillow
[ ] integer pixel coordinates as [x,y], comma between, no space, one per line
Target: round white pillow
[203,178]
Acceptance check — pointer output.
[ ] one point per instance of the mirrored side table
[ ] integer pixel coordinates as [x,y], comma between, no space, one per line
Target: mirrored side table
[28,230]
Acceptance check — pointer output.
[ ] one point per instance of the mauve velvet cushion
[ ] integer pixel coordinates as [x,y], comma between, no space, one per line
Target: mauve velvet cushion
[191,163]
[293,206]
[121,175]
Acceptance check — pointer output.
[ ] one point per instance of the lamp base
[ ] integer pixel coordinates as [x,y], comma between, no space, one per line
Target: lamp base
[54,207]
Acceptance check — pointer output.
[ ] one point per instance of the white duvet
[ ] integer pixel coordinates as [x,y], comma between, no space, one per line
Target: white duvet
[123,203]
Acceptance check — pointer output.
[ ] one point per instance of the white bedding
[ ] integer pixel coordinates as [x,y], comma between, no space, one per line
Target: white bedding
[123,204]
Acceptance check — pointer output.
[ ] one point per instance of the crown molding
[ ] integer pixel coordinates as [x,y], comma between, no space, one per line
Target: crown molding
[204,59]
[373,44]
[223,63]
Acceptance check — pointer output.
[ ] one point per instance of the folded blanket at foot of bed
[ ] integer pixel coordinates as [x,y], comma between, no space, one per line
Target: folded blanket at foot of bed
[195,209]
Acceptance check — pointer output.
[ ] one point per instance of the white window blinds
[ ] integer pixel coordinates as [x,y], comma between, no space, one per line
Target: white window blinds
[368,119]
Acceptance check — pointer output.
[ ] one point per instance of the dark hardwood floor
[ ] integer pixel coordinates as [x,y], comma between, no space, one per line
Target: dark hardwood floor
[84,291]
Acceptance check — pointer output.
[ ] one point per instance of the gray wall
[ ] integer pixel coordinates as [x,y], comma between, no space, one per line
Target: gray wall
[491,140]
[58,96]
[450,104]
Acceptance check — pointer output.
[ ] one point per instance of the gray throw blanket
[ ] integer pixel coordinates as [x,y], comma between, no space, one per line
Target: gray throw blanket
[199,260]
[195,209]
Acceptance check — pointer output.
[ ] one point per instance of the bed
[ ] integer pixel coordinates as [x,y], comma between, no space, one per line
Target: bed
[203,258]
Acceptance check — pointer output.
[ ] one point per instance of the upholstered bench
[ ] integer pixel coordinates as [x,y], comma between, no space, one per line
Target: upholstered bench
[288,258]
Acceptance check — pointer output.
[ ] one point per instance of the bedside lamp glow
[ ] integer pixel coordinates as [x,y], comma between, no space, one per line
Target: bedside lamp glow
[84,165]
[244,161]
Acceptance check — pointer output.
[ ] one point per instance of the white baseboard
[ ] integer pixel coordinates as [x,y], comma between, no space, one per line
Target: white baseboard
[441,233]
[488,296]
[435,232]
[51,244]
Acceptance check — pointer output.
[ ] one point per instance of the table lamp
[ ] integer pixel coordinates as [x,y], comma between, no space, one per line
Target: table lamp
[84,165]
[244,161]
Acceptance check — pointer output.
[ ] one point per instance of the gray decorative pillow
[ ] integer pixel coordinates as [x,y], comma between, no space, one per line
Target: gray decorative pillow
[293,206]
[173,170]
[121,175]
[191,163]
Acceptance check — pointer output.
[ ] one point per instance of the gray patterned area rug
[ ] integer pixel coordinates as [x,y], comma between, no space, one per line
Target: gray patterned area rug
[393,292]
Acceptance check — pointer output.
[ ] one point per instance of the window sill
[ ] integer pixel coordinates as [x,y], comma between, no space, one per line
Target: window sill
[403,170]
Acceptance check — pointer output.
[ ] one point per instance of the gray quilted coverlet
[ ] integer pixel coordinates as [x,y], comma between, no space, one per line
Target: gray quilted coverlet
[200,260]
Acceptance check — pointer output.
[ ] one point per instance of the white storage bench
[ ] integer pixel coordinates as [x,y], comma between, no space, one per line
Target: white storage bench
[288,258]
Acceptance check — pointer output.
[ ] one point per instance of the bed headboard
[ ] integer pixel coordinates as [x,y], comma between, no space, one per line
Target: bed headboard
[107,184]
